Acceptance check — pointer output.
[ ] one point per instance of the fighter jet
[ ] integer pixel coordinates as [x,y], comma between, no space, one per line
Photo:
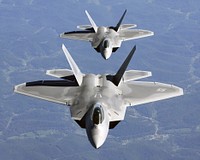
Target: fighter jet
[106,39]
[98,102]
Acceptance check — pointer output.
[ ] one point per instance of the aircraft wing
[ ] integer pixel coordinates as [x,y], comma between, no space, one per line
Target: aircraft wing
[79,35]
[126,35]
[136,92]
[59,92]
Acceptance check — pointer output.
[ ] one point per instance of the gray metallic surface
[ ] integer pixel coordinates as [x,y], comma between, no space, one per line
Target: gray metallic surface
[114,35]
[111,95]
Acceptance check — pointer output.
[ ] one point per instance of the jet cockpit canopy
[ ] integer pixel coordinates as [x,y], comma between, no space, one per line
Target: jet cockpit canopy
[97,116]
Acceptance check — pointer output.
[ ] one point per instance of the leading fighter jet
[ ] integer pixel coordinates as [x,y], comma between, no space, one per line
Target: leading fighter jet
[106,39]
[98,102]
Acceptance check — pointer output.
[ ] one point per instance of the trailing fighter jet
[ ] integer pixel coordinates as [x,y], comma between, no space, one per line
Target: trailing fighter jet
[98,102]
[106,39]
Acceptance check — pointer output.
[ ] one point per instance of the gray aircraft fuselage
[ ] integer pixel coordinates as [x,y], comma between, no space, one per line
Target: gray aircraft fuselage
[106,41]
[97,94]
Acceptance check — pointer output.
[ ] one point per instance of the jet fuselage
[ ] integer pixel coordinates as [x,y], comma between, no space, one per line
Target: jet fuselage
[97,124]
[106,41]
[97,95]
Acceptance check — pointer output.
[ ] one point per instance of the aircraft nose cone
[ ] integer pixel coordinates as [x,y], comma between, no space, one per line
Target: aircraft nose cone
[106,54]
[97,142]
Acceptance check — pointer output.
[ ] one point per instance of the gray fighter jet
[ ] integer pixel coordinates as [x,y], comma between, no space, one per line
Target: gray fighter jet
[98,102]
[106,39]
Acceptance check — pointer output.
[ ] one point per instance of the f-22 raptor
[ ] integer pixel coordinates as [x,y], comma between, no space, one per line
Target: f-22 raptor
[98,102]
[106,39]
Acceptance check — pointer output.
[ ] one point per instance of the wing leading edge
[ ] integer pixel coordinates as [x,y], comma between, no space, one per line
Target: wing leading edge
[57,94]
[79,35]
[136,93]
[126,35]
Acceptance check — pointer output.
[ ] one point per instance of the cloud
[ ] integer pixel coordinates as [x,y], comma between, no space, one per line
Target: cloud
[96,2]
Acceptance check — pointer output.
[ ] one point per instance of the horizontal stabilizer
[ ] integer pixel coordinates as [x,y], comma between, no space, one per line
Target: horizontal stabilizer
[132,75]
[84,27]
[127,26]
[59,73]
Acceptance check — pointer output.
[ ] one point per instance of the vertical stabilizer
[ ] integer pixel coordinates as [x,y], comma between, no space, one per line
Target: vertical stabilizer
[91,21]
[118,76]
[73,65]
[120,21]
